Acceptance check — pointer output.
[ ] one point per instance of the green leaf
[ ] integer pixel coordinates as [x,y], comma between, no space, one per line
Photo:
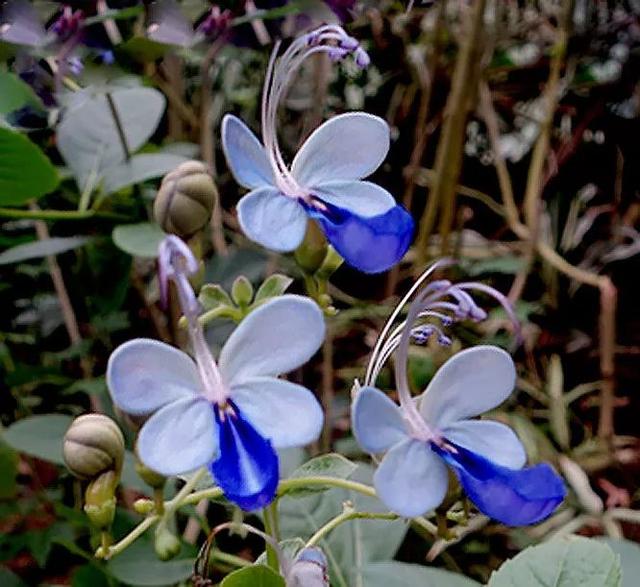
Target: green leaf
[39,436]
[139,240]
[508,264]
[43,248]
[395,574]
[331,465]
[89,138]
[89,576]
[10,579]
[573,562]
[212,295]
[138,169]
[15,94]
[256,576]
[138,565]
[8,471]
[242,291]
[25,171]
[629,553]
[351,546]
[274,285]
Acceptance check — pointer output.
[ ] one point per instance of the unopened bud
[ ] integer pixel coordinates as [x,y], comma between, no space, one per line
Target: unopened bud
[167,545]
[92,445]
[144,506]
[185,199]
[100,500]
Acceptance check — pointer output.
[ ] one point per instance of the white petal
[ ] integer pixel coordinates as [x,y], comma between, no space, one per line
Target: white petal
[469,383]
[348,146]
[412,479]
[145,374]
[179,438]
[492,440]
[272,219]
[286,413]
[377,422]
[245,154]
[360,197]
[277,337]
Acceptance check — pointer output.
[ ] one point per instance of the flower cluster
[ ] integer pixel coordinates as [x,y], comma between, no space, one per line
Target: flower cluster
[230,415]
[421,437]
[325,181]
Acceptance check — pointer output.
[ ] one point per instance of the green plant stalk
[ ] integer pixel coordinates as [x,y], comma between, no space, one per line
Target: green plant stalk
[449,153]
[270,517]
[58,214]
[346,516]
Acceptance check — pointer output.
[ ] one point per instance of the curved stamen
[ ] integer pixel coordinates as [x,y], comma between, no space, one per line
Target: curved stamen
[329,39]
[177,263]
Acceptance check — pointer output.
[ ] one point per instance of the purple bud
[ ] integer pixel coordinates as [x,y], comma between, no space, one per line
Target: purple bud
[444,340]
[362,58]
[349,43]
[337,53]
[75,65]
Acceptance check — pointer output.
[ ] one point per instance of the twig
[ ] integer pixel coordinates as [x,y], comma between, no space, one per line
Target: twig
[450,147]
[327,390]
[206,141]
[66,307]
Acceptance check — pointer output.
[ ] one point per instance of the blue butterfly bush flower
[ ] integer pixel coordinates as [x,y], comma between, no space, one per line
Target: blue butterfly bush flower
[421,438]
[325,180]
[231,415]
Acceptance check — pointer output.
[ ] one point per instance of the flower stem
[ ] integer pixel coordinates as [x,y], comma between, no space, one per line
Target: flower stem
[58,214]
[270,518]
[347,515]
[158,499]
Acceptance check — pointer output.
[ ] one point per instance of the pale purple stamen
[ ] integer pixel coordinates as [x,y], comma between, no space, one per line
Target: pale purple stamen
[329,39]
[177,263]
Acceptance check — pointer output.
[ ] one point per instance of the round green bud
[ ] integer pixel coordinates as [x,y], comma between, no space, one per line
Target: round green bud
[167,544]
[144,506]
[92,445]
[185,199]
[100,500]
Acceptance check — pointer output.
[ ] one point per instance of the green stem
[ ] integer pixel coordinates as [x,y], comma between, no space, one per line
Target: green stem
[270,516]
[346,516]
[58,214]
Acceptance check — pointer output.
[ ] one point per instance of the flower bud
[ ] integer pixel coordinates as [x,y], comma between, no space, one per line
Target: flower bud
[185,199]
[312,251]
[143,506]
[167,545]
[92,445]
[100,500]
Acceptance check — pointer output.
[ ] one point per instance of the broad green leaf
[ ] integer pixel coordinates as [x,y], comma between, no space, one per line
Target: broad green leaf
[89,576]
[8,471]
[39,436]
[139,240]
[25,171]
[43,248]
[256,576]
[274,285]
[573,562]
[395,574]
[10,579]
[138,169]
[88,136]
[331,465]
[351,546]
[629,553]
[138,565]
[15,94]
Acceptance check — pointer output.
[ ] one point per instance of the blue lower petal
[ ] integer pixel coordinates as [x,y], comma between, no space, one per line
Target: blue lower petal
[370,244]
[515,497]
[247,468]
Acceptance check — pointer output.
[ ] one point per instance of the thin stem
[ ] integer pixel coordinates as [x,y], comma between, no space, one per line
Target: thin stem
[51,215]
[158,500]
[269,517]
[119,128]
[327,390]
[346,516]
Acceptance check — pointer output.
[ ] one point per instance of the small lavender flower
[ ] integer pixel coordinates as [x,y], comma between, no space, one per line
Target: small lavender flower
[324,183]
[421,438]
[229,416]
